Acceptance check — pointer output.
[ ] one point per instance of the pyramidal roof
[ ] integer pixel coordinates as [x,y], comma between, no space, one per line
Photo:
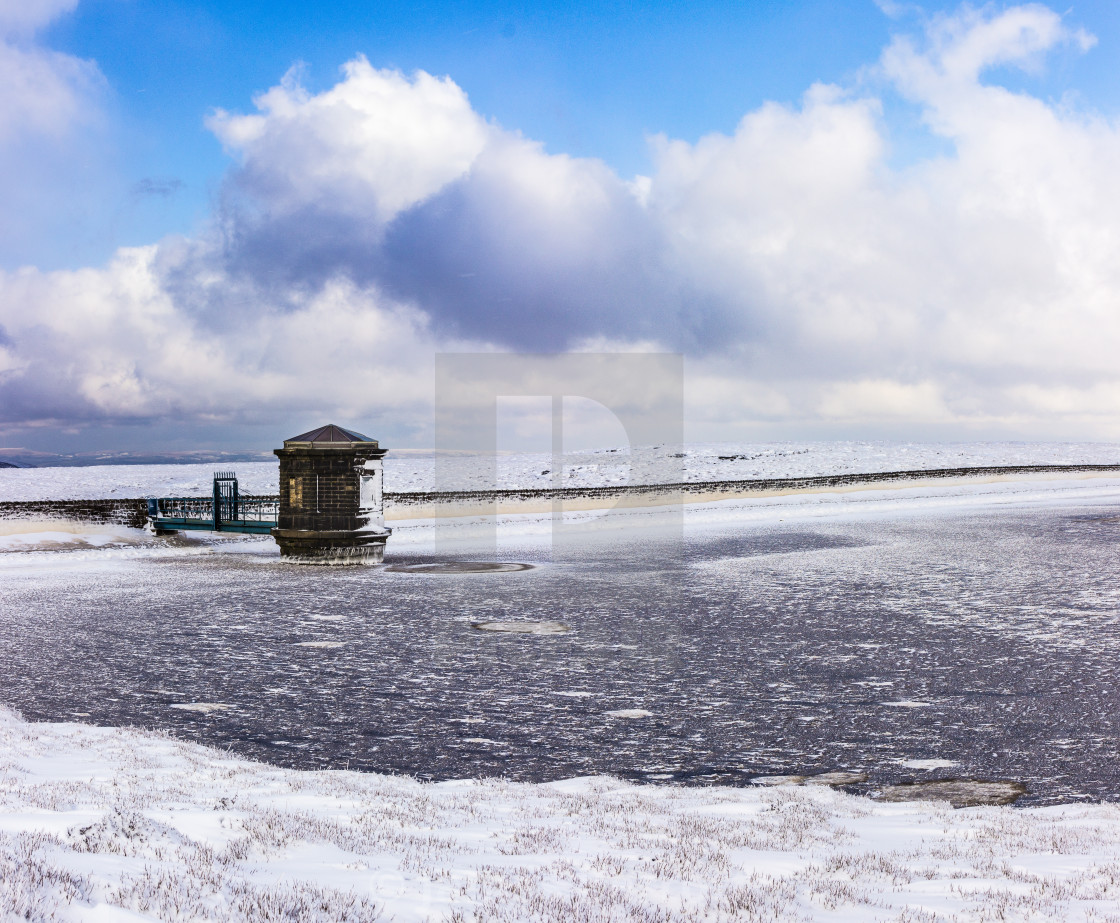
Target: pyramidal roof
[329,434]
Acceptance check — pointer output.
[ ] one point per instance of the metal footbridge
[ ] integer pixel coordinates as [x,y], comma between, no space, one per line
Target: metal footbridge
[225,511]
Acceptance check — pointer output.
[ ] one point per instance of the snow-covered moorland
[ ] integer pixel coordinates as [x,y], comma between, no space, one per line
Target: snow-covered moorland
[698,462]
[104,823]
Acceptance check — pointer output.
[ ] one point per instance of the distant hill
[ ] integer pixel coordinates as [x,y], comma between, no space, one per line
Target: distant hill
[86,459]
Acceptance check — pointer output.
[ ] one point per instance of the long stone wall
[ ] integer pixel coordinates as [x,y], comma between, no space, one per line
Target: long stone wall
[759,485]
[125,512]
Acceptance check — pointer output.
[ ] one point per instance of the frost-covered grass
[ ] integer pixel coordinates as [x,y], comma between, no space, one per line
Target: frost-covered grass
[104,823]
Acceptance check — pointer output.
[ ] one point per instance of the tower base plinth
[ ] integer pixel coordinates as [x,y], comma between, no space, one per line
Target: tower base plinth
[299,546]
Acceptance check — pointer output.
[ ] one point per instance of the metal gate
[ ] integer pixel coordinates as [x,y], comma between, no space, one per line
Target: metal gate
[225,499]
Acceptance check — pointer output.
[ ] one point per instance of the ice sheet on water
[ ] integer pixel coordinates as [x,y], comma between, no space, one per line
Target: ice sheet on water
[768,608]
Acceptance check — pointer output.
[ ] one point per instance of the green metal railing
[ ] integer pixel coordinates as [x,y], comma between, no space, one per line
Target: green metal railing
[224,511]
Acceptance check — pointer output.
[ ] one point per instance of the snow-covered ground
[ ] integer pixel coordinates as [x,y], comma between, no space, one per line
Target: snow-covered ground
[700,462]
[32,535]
[115,824]
[118,824]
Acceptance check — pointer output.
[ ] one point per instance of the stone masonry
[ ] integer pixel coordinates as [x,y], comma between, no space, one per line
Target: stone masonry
[331,499]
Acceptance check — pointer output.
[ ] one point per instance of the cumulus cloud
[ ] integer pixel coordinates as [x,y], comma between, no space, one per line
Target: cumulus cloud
[398,182]
[111,345]
[809,282]
[372,146]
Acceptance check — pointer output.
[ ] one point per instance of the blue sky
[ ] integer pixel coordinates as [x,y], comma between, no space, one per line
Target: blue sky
[591,80]
[854,220]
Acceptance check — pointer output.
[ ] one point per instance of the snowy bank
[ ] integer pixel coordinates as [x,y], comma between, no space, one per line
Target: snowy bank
[107,823]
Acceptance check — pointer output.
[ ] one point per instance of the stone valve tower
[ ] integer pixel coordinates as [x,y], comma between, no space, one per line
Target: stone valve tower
[331,505]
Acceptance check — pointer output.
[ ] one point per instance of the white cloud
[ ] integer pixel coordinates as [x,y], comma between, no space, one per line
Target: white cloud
[968,276]
[111,345]
[813,284]
[878,399]
[374,144]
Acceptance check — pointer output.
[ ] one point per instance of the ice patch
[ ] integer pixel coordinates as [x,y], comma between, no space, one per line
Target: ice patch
[204,708]
[320,644]
[777,780]
[928,764]
[834,778]
[452,568]
[907,703]
[629,713]
[960,793]
[327,618]
[577,695]
[525,628]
